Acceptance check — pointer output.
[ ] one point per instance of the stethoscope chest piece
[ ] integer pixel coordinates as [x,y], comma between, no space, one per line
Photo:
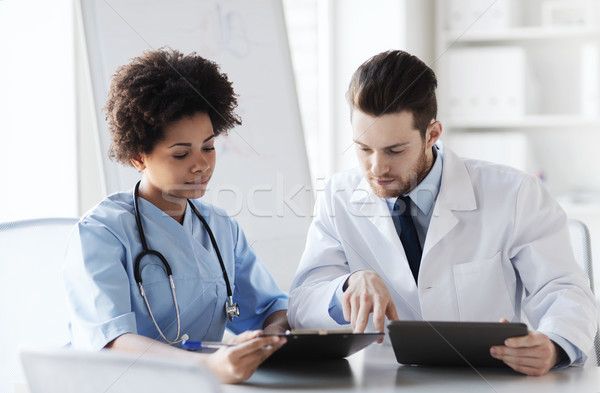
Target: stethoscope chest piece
[232,310]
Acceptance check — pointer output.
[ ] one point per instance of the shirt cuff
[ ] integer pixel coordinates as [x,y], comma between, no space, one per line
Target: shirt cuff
[336,312]
[574,355]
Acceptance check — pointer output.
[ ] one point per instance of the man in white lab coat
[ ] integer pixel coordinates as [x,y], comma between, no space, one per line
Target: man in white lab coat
[479,241]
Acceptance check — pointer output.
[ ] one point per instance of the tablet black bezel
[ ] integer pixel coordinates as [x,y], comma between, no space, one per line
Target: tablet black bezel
[444,343]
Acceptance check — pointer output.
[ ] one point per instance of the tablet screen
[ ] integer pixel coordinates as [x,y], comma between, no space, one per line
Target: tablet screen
[450,343]
[322,344]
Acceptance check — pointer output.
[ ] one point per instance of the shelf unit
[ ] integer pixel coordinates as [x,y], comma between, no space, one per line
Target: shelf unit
[521,34]
[519,74]
[527,122]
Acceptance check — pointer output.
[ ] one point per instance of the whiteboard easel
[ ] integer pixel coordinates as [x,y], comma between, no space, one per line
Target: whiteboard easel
[262,177]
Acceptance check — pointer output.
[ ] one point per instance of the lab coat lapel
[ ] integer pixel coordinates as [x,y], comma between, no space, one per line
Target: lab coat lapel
[456,194]
[369,205]
[392,262]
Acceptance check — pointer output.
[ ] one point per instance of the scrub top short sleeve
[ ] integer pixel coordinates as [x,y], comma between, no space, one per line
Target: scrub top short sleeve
[98,291]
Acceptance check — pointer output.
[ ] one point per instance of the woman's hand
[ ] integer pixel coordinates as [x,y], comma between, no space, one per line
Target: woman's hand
[237,363]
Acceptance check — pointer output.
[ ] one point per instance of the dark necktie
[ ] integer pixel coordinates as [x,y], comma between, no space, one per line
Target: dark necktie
[408,234]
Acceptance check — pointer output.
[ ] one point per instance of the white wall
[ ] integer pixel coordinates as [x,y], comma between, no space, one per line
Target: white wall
[37,126]
[329,40]
[359,30]
[334,37]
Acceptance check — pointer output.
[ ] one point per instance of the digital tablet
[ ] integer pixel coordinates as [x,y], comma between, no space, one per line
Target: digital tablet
[322,344]
[450,343]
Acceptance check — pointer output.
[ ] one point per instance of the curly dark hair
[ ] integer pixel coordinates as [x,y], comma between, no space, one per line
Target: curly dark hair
[392,82]
[160,87]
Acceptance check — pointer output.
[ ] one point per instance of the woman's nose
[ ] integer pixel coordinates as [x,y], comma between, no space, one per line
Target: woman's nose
[201,164]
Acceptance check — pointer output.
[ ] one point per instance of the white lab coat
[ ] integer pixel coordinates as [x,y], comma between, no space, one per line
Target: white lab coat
[497,247]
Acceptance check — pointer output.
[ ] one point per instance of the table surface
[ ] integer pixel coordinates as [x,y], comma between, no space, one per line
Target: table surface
[375,369]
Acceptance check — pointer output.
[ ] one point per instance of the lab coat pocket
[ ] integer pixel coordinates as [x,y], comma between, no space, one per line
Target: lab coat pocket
[481,291]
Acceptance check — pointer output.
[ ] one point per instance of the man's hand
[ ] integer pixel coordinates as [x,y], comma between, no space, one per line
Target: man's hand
[534,354]
[366,293]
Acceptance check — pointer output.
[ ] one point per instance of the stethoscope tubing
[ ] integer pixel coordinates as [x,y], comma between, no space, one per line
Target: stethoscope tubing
[215,246]
[232,309]
[147,251]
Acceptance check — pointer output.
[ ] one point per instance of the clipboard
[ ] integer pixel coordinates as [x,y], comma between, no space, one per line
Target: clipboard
[434,343]
[321,344]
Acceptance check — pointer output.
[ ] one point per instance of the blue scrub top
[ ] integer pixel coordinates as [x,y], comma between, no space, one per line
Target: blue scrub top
[104,299]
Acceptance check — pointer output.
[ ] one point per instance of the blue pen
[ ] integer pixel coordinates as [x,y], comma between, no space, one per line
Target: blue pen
[197,345]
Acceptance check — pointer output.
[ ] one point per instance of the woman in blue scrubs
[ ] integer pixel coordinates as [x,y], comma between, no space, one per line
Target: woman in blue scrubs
[165,111]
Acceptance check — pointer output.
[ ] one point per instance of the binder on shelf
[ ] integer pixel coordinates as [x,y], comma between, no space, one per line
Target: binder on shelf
[590,80]
[486,83]
[477,15]
[570,12]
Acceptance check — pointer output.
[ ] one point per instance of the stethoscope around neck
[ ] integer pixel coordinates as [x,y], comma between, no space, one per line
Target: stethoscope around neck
[231,309]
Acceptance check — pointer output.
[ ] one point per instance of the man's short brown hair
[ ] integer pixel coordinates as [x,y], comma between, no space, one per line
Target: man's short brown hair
[392,82]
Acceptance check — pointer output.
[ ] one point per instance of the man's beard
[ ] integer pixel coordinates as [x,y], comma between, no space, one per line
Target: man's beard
[420,171]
